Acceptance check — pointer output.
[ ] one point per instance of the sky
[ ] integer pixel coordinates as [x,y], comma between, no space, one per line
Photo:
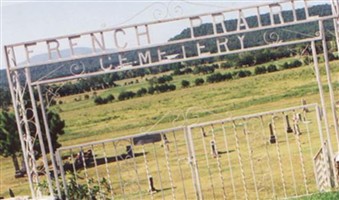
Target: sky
[23,21]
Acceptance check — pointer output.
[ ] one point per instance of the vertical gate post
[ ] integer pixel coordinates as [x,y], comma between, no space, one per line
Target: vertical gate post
[14,87]
[329,81]
[47,131]
[193,163]
[62,173]
[323,105]
[335,11]
[38,129]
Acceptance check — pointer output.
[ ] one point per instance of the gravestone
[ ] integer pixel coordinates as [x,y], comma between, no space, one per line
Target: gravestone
[272,136]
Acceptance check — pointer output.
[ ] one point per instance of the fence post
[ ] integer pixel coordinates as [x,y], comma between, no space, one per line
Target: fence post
[193,163]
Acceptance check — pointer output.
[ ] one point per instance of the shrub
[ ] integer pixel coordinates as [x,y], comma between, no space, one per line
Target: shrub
[187,70]
[203,70]
[151,90]
[226,65]
[215,66]
[177,72]
[260,70]
[171,87]
[307,60]
[161,80]
[98,100]
[86,96]
[227,76]
[141,92]
[331,56]
[185,83]
[296,63]
[199,81]
[244,73]
[272,68]
[214,78]
[110,98]
[126,95]
[168,78]
[293,64]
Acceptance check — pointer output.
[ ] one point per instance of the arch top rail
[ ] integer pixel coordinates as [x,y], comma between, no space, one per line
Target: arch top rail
[122,39]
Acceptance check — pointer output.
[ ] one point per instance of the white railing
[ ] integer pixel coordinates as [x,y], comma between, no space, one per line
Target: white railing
[259,156]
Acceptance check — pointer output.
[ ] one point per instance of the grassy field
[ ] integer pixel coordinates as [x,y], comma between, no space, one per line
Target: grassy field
[86,122]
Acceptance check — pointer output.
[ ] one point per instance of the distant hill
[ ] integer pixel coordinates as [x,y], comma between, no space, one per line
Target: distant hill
[64,53]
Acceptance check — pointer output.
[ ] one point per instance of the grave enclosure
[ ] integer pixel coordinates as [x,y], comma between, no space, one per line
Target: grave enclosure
[294,147]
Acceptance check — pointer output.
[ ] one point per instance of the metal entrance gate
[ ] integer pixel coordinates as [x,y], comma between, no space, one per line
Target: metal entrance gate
[148,52]
[260,156]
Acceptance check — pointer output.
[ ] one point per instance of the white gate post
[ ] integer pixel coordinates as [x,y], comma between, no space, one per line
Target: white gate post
[193,163]
[323,105]
[329,81]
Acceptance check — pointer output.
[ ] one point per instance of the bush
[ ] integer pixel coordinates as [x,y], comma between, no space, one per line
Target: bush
[164,79]
[151,90]
[185,83]
[86,96]
[227,76]
[141,92]
[168,78]
[171,87]
[161,80]
[177,72]
[203,70]
[244,73]
[272,68]
[199,81]
[126,95]
[293,64]
[110,98]
[296,63]
[187,71]
[214,78]
[307,60]
[260,70]
[331,56]
[215,66]
[162,88]
[98,100]
[226,65]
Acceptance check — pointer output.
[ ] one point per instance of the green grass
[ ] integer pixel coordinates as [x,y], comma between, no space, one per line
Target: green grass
[86,122]
[322,196]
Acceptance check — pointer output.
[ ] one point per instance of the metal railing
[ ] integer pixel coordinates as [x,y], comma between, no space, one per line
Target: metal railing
[259,156]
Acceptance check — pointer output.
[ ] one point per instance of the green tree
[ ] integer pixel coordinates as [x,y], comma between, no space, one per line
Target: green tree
[272,68]
[185,83]
[199,81]
[260,70]
[9,138]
